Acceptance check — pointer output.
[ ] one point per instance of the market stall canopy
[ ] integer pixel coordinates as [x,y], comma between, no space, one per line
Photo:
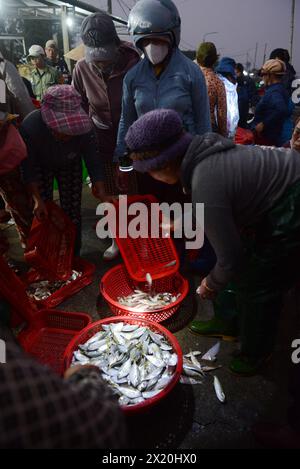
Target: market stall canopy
[46,7]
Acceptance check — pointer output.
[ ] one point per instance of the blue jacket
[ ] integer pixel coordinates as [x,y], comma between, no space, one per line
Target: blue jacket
[181,87]
[273,110]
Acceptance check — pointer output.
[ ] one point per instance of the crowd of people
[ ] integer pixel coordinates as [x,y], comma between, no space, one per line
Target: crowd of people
[177,119]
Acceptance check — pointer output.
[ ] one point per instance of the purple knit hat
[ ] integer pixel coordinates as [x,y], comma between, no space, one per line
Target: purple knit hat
[161,131]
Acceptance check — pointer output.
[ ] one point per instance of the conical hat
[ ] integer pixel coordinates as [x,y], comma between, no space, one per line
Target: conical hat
[76,54]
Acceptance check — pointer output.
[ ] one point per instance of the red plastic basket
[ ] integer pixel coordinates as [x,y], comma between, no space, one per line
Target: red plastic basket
[91,330]
[67,291]
[117,282]
[13,288]
[157,256]
[48,336]
[244,137]
[50,247]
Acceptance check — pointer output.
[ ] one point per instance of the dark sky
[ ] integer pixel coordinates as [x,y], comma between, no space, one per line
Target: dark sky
[239,23]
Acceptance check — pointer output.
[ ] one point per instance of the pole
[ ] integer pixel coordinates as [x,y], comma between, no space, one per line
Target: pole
[292,27]
[208,34]
[265,53]
[109,6]
[255,56]
[65,33]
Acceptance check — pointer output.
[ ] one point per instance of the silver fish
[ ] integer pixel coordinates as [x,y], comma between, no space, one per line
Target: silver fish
[125,369]
[195,361]
[44,289]
[156,373]
[155,361]
[157,338]
[207,369]
[129,392]
[138,400]
[191,371]
[149,394]
[165,347]
[211,354]
[116,327]
[195,353]
[173,360]
[140,301]
[132,360]
[130,327]
[80,357]
[134,375]
[219,391]
[188,380]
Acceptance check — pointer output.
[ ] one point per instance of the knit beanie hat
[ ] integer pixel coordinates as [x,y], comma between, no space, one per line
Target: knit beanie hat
[156,139]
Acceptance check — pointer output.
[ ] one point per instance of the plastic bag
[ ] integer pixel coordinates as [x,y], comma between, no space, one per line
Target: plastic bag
[233,115]
[13,149]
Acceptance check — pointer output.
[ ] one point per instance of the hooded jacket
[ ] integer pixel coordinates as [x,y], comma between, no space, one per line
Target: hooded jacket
[102,99]
[238,185]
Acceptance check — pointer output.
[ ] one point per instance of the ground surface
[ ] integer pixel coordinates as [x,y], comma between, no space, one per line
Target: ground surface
[191,416]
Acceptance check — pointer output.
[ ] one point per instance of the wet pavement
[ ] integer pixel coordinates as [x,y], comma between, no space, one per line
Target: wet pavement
[191,417]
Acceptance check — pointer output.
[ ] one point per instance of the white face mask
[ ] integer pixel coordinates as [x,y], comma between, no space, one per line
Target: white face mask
[156,53]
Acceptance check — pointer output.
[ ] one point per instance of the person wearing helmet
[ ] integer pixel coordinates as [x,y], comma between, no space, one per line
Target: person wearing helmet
[98,77]
[165,78]
[273,109]
[42,75]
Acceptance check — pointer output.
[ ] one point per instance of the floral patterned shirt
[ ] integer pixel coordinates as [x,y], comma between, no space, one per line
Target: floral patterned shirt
[217,99]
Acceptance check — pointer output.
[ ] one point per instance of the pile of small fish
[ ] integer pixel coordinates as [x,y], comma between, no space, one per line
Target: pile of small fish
[43,289]
[143,302]
[135,361]
[194,371]
[140,301]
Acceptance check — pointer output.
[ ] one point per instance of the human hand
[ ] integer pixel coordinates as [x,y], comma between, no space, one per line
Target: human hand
[74,369]
[259,128]
[98,191]
[40,209]
[295,142]
[123,180]
[205,292]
